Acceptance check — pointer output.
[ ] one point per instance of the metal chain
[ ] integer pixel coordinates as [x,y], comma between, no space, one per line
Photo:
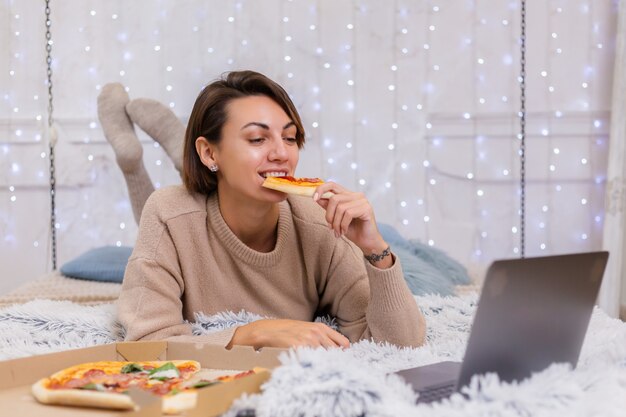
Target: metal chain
[51,137]
[522,135]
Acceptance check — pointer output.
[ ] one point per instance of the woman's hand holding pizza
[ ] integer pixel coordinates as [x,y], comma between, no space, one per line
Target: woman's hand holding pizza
[287,333]
[350,214]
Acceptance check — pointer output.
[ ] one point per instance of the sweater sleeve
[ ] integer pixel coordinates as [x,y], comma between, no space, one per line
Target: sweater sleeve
[150,305]
[372,303]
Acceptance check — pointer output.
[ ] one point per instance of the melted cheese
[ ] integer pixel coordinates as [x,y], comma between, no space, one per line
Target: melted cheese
[303,182]
[113,368]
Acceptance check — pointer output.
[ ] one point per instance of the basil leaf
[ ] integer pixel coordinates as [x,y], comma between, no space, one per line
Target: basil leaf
[167,371]
[131,368]
[93,387]
[203,383]
[165,367]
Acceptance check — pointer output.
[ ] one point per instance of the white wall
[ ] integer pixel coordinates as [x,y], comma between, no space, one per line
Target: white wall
[401,99]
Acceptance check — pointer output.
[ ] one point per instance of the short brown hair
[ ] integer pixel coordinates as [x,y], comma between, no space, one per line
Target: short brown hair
[209,115]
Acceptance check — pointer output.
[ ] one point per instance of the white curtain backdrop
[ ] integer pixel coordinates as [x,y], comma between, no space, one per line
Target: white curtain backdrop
[614,286]
[413,102]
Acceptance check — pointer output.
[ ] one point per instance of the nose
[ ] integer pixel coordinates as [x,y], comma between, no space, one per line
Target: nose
[278,151]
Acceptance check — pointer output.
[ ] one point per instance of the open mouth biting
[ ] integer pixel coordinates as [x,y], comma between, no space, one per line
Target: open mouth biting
[273,174]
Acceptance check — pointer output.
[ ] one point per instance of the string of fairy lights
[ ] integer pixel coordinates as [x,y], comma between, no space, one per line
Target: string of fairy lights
[423,104]
[416,130]
[474,132]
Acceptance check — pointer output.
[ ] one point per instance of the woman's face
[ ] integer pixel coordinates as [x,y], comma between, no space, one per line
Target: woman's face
[258,140]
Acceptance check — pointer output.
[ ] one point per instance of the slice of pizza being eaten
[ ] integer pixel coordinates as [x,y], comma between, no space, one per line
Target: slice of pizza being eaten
[297,186]
[105,384]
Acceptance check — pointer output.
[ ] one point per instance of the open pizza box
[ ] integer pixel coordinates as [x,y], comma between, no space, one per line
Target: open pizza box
[18,375]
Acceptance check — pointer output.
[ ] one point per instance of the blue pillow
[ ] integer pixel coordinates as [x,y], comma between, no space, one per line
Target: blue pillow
[426,270]
[421,277]
[107,263]
[452,269]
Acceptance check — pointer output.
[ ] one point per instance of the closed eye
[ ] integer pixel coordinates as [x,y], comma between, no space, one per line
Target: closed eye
[256,140]
[291,140]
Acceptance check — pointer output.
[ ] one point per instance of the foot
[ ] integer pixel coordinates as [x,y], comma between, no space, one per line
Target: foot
[118,128]
[161,124]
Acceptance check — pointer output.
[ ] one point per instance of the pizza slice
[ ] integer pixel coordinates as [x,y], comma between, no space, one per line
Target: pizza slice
[105,384]
[297,186]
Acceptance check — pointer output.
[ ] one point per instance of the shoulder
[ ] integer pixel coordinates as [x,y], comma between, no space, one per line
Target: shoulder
[306,211]
[169,208]
[173,201]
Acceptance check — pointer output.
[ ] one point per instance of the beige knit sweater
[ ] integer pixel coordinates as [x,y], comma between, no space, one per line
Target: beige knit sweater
[187,260]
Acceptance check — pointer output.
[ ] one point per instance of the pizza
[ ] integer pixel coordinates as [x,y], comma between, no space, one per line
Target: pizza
[297,186]
[105,384]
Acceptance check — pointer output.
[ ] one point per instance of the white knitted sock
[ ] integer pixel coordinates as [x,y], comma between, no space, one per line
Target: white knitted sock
[119,132]
[161,124]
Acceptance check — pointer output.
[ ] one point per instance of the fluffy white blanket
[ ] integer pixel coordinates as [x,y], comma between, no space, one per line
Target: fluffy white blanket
[356,381]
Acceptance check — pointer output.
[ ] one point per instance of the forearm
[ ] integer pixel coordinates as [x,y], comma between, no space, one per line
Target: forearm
[392,313]
[183,333]
[285,333]
[221,338]
[379,254]
[380,306]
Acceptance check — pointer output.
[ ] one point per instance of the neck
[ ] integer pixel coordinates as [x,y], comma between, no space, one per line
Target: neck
[255,225]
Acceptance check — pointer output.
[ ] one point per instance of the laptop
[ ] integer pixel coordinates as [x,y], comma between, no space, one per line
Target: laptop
[532,312]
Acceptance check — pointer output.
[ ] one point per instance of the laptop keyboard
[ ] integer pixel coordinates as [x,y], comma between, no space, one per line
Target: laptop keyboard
[436,393]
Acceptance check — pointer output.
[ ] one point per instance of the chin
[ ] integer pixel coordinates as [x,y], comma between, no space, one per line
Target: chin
[274,196]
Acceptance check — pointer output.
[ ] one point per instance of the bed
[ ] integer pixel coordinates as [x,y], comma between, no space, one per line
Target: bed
[58,313]
[359,381]
[56,286]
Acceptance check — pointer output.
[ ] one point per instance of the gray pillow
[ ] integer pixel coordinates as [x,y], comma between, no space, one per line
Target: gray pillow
[427,270]
[100,264]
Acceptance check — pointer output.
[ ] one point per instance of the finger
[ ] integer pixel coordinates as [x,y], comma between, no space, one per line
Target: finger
[340,202]
[331,209]
[332,187]
[327,190]
[325,342]
[322,195]
[339,213]
[343,214]
[345,221]
[328,343]
[325,336]
[339,339]
[353,210]
[322,190]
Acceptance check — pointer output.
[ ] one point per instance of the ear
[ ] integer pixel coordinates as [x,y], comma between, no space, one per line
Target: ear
[206,151]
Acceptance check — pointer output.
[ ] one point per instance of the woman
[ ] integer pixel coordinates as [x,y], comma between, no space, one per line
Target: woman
[223,242]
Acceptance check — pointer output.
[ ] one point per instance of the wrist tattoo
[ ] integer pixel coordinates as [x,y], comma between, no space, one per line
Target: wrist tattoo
[375,257]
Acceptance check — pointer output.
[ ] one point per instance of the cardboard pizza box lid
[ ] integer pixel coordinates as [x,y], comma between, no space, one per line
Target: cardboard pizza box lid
[18,375]
[135,351]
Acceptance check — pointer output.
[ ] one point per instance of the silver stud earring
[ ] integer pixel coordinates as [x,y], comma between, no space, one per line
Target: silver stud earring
[213,168]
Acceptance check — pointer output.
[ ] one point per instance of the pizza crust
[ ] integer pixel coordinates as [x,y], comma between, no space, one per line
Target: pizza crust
[172,404]
[303,189]
[176,404]
[76,397]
